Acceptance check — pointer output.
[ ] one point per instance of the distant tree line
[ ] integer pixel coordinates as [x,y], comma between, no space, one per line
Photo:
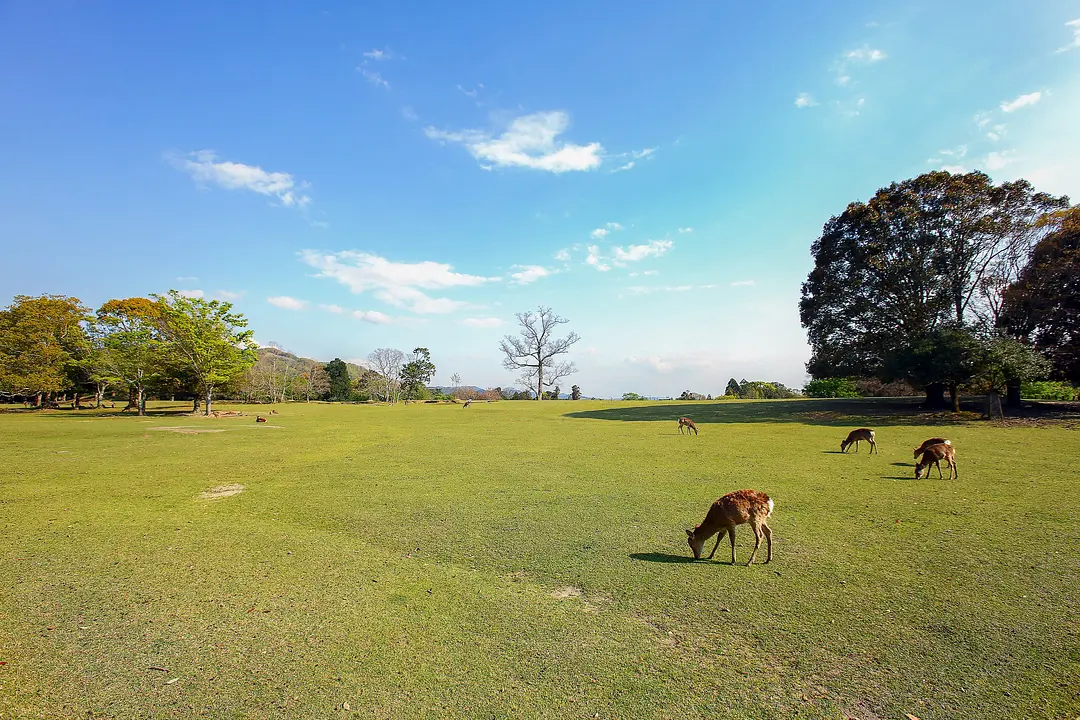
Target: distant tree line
[946,283]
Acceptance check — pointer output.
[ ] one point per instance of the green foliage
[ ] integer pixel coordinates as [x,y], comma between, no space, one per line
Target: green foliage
[831,388]
[206,337]
[417,373]
[133,351]
[732,388]
[632,396]
[1004,360]
[340,383]
[1049,390]
[575,392]
[759,390]
[41,341]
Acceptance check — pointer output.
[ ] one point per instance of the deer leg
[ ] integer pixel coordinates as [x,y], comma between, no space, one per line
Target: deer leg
[768,539]
[695,431]
[731,534]
[952,469]
[719,537]
[940,476]
[873,447]
[757,543]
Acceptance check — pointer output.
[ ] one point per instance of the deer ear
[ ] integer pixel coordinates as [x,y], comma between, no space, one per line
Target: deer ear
[690,533]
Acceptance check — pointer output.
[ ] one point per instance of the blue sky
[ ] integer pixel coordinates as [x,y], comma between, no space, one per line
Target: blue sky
[363,175]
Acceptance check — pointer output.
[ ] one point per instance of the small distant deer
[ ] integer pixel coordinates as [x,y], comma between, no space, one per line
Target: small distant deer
[735,508]
[927,443]
[933,455]
[855,436]
[259,419]
[689,424]
[467,404]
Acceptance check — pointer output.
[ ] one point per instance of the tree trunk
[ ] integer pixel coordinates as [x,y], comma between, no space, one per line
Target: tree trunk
[540,383]
[954,395]
[935,396]
[99,395]
[140,397]
[39,399]
[209,397]
[993,405]
[1012,395]
[195,404]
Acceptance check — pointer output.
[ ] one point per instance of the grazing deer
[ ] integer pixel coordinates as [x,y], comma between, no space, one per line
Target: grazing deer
[689,424]
[933,455]
[927,443]
[857,435]
[467,404]
[259,419]
[735,508]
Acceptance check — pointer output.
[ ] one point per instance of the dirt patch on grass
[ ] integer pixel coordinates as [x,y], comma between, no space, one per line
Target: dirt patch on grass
[187,430]
[566,593]
[221,491]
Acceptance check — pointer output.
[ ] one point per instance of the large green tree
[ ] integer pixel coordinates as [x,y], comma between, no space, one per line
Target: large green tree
[41,339]
[133,348]
[936,249]
[208,338]
[340,384]
[417,373]
[1044,303]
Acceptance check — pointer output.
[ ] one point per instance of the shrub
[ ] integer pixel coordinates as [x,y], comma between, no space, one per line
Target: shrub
[872,387]
[1047,390]
[831,388]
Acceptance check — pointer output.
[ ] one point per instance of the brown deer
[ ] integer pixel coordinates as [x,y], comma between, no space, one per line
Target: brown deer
[688,423]
[468,403]
[259,419]
[855,436]
[933,455]
[927,443]
[735,508]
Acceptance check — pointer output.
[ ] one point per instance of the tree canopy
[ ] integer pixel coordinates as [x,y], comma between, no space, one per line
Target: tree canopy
[40,340]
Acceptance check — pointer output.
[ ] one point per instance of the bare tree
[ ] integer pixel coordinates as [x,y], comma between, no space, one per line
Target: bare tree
[535,353]
[387,362]
[314,380]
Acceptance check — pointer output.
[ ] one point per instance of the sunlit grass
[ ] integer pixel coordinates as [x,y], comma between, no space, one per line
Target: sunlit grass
[511,560]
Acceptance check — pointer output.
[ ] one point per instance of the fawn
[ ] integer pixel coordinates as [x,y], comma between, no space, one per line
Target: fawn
[933,455]
[927,443]
[735,508]
[855,436]
[689,424]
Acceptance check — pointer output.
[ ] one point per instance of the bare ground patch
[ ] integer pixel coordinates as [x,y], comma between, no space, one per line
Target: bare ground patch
[221,491]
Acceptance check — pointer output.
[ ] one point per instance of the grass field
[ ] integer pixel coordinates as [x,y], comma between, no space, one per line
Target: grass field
[528,560]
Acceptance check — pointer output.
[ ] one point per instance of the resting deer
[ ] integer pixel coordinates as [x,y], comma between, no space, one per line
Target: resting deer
[736,508]
[259,419]
[927,443]
[933,455]
[689,424]
[855,436]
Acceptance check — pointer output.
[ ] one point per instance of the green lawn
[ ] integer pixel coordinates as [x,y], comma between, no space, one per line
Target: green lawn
[528,560]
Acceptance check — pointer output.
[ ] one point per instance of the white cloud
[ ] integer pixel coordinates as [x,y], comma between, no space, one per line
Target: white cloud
[595,260]
[529,273]
[378,54]
[393,282]
[633,253]
[372,76]
[599,233]
[982,119]
[651,272]
[999,160]
[636,155]
[191,293]
[286,303]
[1075,25]
[683,231]
[204,166]
[229,295]
[742,283]
[336,309]
[803,100]
[530,141]
[865,54]
[563,255]
[372,316]
[489,322]
[954,169]
[1021,101]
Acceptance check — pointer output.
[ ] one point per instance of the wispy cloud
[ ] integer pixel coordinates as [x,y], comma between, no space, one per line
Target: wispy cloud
[191,293]
[634,155]
[594,258]
[488,322]
[229,295]
[529,273]
[563,255]
[373,76]
[602,232]
[372,316]
[742,283]
[865,55]
[1075,25]
[394,283]
[286,303]
[1022,101]
[685,230]
[634,253]
[999,160]
[379,55]
[335,309]
[804,100]
[529,141]
[205,167]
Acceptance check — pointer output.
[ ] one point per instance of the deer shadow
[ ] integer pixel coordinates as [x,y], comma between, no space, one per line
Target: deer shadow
[661,557]
[902,464]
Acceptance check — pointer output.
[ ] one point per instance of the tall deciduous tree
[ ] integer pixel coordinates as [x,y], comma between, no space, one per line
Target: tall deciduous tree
[536,352]
[1044,303]
[417,373]
[932,250]
[130,334]
[40,340]
[314,380]
[387,363]
[208,338]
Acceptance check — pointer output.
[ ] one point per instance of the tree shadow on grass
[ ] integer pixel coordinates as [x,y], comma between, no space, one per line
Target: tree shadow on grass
[836,412]
[662,558]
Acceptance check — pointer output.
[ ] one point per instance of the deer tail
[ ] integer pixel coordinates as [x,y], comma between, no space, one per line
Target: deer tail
[770,508]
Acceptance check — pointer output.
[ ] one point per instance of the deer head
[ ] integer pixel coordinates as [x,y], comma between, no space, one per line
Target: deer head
[696,544]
